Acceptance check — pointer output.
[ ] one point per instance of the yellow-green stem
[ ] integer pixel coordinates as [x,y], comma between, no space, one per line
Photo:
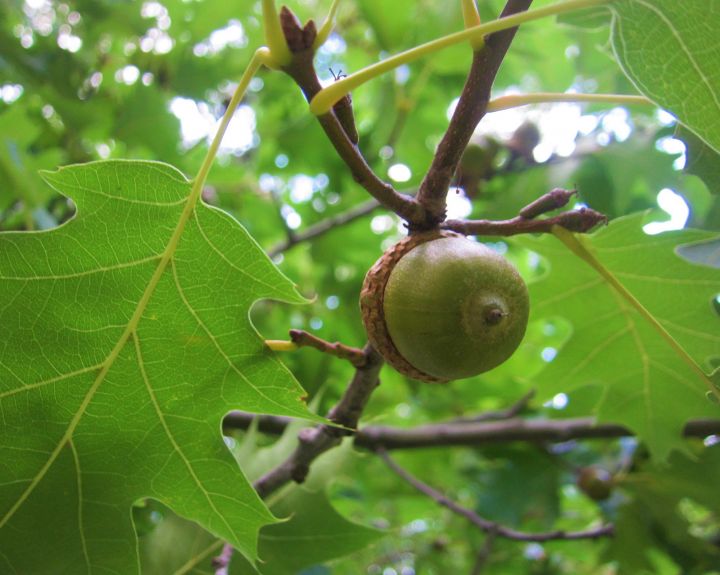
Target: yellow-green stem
[326,98]
[471,18]
[274,37]
[281,345]
[327,26]
[517,100]
[260,57]
[576,246]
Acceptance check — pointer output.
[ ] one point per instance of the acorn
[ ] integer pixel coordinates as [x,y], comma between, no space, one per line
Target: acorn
[597,483]
[439,307]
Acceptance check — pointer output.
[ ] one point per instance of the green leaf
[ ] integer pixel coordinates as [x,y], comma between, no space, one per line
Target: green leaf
[702,160]
[520,490]
[18,165]
[705,253]
[313,534]
[655,514]
[589,19]
[669,50]
[126,340]
[649,384]
[177,546]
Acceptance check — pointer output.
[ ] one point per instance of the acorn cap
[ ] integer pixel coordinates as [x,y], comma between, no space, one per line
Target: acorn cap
[372,307]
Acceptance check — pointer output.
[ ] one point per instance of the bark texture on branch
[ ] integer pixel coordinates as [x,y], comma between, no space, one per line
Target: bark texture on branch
[470,109]
[315,441]
[475,433]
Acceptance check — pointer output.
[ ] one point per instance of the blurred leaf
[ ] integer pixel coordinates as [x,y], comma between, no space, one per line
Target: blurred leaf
[148,106]
[313,534]
[702,160]
[655,519]
[177,545]
[19,164]
[587,19]
[520,489]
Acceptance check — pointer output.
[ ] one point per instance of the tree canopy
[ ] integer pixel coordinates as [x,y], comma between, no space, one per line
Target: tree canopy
[191,194]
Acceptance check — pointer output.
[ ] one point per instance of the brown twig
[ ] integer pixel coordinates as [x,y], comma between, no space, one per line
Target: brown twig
[483,555]
[355,356]
[314,441]
[317,440]
[580,221]
[485,524]
[222,561]
[470,110]
[324,226]
[474,433]
[508,413]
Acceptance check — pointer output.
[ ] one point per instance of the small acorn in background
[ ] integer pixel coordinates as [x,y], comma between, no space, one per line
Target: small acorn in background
[477,165]
[439,307]
[596,482]
[522,144]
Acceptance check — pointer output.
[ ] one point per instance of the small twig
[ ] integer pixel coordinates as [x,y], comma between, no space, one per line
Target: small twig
[314,441]
[473,433]
[289,232]
[324,226]
[516,100]
[485,524]
[483,554]
[501,414]
[580,221]
[476,434]
[317,440]
[354,355]
[222,561]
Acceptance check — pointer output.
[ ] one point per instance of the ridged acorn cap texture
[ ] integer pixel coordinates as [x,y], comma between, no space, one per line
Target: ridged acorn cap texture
[456,308]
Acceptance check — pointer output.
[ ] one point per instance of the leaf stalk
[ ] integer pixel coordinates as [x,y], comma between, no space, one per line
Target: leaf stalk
[517,100]
[326,98]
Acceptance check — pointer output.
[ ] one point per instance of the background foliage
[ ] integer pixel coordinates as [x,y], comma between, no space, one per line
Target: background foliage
[101,80]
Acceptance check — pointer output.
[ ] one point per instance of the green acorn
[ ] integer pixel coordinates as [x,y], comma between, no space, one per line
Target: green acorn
[440,307]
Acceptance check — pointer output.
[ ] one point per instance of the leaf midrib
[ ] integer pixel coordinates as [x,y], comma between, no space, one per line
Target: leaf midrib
[109,361]
[577,246]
